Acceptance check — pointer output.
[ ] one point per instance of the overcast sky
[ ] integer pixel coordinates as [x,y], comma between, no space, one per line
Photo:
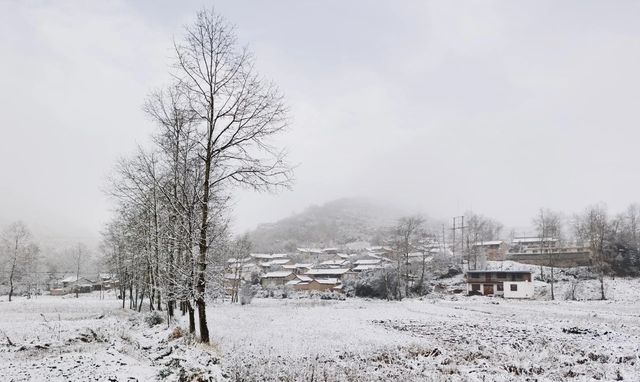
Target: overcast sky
[500,107]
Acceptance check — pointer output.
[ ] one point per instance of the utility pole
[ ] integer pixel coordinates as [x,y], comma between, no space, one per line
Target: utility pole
[460,227]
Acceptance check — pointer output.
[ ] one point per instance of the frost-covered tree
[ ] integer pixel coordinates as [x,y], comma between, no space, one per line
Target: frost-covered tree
[594,228]
[549,225]
[19,254]
[407,236]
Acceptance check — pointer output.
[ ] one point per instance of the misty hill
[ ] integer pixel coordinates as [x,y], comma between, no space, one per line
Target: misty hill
[337,222]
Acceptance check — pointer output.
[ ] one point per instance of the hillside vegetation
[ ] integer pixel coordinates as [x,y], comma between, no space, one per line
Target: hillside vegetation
[334,223]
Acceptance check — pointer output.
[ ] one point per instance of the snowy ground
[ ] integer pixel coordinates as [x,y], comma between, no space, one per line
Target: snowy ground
[456,339]
[88,339]
[443,337]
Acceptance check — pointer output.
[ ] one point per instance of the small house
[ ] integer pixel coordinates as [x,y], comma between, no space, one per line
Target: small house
[278,278]
[508,284]
[328,273]
[493,250]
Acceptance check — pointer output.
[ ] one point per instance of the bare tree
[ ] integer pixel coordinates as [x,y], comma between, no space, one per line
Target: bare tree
[407,236]
[593,227]
[18,251]
[549,225]
[237,112]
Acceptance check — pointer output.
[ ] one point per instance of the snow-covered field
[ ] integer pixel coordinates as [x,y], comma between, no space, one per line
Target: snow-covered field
[456,339]
[88,339]
[442,337]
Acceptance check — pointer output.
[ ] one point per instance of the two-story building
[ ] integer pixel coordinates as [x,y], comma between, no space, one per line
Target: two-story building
[509,284]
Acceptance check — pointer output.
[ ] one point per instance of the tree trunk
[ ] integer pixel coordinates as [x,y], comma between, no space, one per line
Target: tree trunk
[203,247]
[552,282]
[192,319]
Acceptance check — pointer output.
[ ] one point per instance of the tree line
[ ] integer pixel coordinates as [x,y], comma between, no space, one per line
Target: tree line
[214,124]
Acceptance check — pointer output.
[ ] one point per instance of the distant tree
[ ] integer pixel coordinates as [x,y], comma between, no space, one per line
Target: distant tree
[479,228]
[18,251]
[406,237]
[80,257]
[594,228]
[549,225]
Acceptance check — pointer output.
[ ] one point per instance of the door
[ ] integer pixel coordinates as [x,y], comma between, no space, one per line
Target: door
[488,289]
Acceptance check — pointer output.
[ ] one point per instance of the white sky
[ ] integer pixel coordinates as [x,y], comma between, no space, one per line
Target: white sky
[503,107]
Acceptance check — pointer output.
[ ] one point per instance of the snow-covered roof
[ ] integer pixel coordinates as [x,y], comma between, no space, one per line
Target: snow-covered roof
[309,250]
[501,271]
[277,275]
[331,281]
[368,261]
[488,243]
[69,279]
[279,261]
[334,262]
[366,267]
[304,278]
[260,255]
[523,240]
[336,271]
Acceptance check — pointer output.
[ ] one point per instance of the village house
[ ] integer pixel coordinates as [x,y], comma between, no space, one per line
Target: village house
[278,278]
[367,264]
[548,252]
[328,273]
[509,284]
[298,268]
[333,264]
[494,250]
[323,285]
[299,282]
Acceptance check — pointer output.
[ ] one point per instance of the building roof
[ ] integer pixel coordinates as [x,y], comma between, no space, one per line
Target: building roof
[368,261]
[297,266]
[277,275]
[522,240]
[330,271]
[334,262]
[309,250]
[500,271]
[330,281]
[366,267]
[279,261]
[488,243]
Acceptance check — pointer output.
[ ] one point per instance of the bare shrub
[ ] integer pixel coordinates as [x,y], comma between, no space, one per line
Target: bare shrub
[154,318]
[247,293]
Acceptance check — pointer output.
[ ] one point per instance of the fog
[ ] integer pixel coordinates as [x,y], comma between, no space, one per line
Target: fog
[496,107]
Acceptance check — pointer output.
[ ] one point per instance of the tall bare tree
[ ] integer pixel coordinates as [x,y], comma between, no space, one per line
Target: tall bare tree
[594,228]
[238,112]
[406,237]
[549,226]
[19,252]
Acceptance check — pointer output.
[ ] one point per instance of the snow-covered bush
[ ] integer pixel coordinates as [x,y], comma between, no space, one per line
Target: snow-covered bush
[374,284]
[154,318]
[247,293]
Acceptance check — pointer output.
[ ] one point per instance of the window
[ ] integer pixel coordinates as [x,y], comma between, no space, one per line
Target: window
[475,287]
[501,275]
[500,287]
[514,287]
[474,275]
